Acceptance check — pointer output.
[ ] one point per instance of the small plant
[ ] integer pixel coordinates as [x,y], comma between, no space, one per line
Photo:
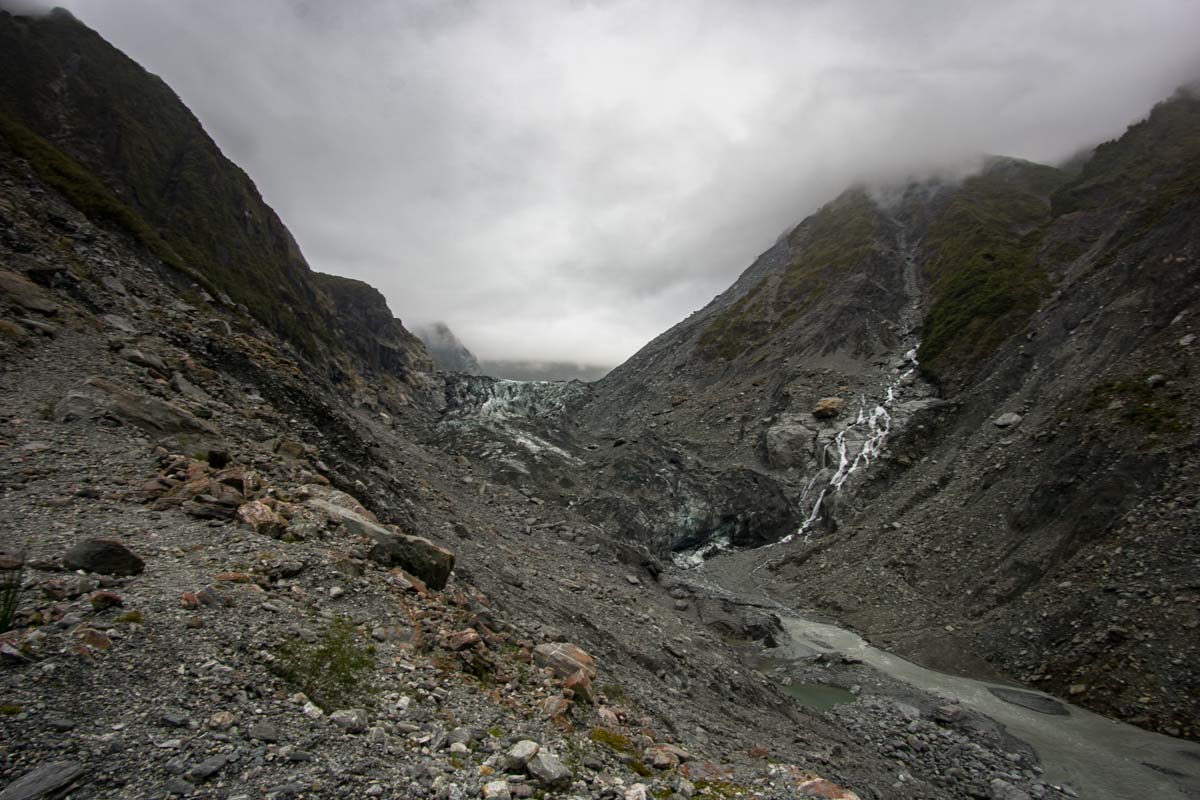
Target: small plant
[10,595]
[612,740]
[10,710]
[332,671]
[131,617]
[614,692]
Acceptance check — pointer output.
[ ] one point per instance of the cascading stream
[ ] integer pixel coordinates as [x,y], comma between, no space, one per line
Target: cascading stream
[877,424]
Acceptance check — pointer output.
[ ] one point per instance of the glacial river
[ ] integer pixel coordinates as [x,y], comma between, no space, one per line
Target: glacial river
[1097,757]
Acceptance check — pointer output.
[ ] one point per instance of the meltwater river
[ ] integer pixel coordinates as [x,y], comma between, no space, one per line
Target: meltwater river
[1097,757]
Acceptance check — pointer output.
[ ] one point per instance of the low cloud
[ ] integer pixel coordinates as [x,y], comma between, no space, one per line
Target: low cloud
[564,180]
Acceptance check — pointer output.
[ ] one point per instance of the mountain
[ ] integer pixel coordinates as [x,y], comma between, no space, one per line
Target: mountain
[1037,489]
[450,354]
[247,520]
[121,147]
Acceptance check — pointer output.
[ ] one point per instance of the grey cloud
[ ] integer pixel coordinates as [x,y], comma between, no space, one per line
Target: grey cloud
[564,180]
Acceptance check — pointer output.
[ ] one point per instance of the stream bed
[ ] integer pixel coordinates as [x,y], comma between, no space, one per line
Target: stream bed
[1097,757]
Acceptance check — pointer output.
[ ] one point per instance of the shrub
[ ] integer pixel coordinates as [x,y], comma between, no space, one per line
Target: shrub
[333,671]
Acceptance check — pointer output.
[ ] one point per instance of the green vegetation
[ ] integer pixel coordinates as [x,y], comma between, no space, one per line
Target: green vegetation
[1165,144]
[10,595]
[982,265]
[1153,168]
[10,710]
[130,155]
[83,190]
[333,671]
[720,789]
[1138,405]
[131,618]
[615,692]
[836,238]
[611,739]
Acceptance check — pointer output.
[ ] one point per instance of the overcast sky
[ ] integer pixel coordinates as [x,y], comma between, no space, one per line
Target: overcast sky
[565,180]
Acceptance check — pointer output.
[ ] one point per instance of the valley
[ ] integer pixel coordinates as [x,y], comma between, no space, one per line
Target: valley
[910,510]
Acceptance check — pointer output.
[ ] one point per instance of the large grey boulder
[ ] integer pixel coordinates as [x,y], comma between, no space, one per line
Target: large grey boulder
[103,557]
[97,398]
[418,555]
[42,781]
[789,443]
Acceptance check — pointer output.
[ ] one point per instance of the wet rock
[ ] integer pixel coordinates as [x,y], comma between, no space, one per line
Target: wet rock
[103,557]
[43,781]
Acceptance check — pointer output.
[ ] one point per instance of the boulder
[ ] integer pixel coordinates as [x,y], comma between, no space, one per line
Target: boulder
[496,790]
[580,685]
[789,443]
[103,557]
[143,359]
[351,720]
[1007,420]
[259,517]
[549,770]
[564,658]
[97,398]
[519,755]
[45,780]
[25,293]
[416,554]
[828,407]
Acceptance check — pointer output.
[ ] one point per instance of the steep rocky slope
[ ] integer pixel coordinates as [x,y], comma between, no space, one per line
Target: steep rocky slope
[123,149]
[448,352]
[1034,503]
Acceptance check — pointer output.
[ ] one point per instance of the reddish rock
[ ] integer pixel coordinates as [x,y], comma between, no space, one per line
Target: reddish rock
[103,600]
[553,707]
[812,785]
[564,658]
[95,639]
[259,517]
[580,686]
[828,407]
[462,640]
